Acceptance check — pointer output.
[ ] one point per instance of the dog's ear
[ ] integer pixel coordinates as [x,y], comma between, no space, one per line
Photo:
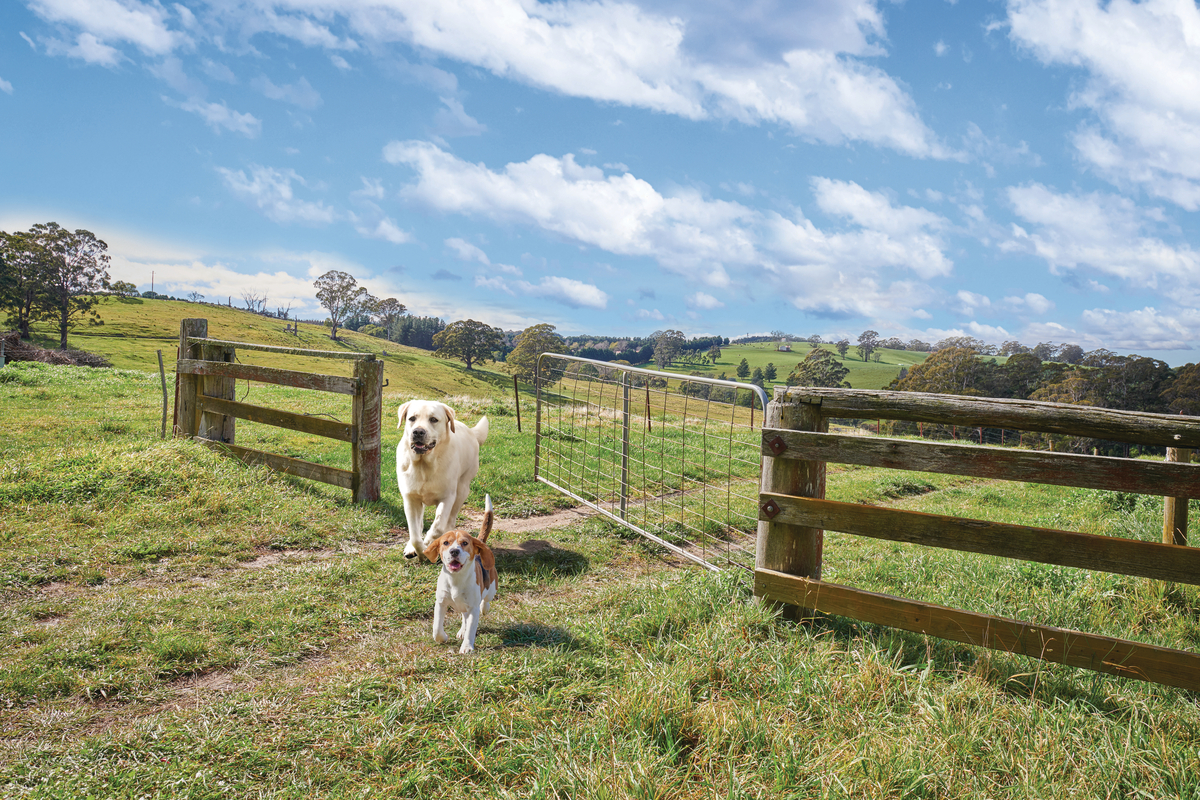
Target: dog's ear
[400,414]
[431,552]
[449,415]
[477,545]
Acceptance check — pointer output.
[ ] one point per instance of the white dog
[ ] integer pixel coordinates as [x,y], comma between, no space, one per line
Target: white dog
[435,463]
[467,583]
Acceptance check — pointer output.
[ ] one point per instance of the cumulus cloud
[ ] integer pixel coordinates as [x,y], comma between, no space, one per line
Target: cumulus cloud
[1102,233]
[385,229]
[1032,302]
[703,301]
[1142,62]
[567,291]
[5,86]
[1143,329]
[220,117]
[692,235]
[300,94]
[143,25]
[467,251]
[270,190]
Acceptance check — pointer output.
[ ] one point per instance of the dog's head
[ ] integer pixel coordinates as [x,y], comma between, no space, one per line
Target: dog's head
[428,421]
[456,549]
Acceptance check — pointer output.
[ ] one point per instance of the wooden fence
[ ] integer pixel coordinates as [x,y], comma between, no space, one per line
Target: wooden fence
[794,514]
[206,408]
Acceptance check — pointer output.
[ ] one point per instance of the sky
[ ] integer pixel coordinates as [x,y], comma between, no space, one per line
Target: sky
[1024,170]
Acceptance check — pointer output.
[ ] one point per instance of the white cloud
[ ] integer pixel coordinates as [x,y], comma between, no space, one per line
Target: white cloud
[567,291]
[699,238]
[141,24]
[496,284]
[5,86]
[218,71]
[453,120]
[300,94]
[1143,65]
[1143,329]
[467,251]
[1099,232]
[703,300]
[941,48]
[385,229]
[219,115]
[271,191]
[970,302]
[340,62]
[86,48]
[1032,302]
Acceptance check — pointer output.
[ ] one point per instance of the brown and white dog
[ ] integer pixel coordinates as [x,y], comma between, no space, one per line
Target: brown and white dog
[435,462]
[467,582]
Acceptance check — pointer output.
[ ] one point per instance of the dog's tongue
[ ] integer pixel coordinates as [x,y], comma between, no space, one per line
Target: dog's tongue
[454,566]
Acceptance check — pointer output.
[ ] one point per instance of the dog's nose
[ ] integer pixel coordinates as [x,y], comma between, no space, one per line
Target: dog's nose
[418,434]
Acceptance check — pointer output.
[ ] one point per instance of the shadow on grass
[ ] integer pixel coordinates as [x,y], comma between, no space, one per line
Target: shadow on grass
[532,634]
[537,557]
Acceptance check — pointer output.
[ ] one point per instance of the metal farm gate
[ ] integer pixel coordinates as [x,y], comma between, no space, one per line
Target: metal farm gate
[672,457]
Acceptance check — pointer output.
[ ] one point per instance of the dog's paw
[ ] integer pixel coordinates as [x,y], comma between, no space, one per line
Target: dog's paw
[466,648]
[440,637]
[410,552]
[460,634]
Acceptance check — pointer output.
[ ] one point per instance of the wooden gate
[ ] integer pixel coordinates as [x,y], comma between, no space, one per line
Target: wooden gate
[794,514]
[205,408]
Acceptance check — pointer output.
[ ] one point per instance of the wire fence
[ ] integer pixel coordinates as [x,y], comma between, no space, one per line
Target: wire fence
[675,458]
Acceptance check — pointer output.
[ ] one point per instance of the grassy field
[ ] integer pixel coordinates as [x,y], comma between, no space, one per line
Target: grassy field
[178,625]
[863,375]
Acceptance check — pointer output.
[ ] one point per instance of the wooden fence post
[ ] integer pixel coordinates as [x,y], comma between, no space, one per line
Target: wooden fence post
[793,549]
[368,419]
[218,427]
[1175,509]
[185,403]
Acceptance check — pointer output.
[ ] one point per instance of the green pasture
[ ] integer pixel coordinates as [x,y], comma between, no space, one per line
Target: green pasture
[863,375]
[175,624]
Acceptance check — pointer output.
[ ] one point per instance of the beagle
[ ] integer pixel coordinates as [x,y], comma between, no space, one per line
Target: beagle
[467,582]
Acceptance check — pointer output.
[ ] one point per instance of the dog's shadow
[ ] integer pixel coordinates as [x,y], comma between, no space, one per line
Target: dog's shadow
[538,559]
[533,634]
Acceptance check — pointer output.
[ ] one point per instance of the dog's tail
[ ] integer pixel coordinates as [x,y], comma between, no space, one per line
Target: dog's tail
[480,431]
[487,519]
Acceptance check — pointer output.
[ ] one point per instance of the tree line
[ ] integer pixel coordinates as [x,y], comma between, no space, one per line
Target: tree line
[49,273]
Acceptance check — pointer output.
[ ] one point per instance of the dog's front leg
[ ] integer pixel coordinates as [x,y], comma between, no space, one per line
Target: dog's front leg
[470,626]
[441,520]
[414,515]
[439,622]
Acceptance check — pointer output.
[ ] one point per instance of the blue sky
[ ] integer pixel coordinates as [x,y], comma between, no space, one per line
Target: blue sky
[1023,170]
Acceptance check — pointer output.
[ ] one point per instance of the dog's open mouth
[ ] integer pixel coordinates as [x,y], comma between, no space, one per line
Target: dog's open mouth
[454,565]
[422,449]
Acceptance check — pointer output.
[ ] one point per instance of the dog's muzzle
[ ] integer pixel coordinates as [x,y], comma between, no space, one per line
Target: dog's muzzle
[455,563]
[421,448]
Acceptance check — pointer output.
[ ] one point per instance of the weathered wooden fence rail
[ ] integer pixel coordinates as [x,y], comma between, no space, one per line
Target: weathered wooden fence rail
[206,408]
[794,514]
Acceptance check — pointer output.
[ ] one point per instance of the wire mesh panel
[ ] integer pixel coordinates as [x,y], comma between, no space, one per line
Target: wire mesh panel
[672,457]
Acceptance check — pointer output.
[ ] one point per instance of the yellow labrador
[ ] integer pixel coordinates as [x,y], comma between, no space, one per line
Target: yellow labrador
[435,462]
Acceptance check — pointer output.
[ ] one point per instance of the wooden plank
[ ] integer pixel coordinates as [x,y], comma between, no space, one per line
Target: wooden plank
[282,377]
[219,427]
[317,426]
[1059,469]
[794,549]
[1163,430]
[368,417]
[292,351]
[1128,659]
[292,466]
[1166,562]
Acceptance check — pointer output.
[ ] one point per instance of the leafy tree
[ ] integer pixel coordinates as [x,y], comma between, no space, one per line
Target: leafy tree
[819,368]
[1019,377]
[868,342]
[1183,395]
[530,343]
[770,373]
[917,346]
[419,331]
[667,347]
[386,312]
[78,272]
[757,377]
[743,369]
[1012,348]
[843,346]
[951,370]
[339,293]
[24,265]
[123,289]
[814,340]
[468,341]
[1070,353]
[714,353]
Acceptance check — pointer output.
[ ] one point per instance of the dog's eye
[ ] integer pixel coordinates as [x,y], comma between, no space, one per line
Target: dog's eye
[412,419]
[433,420]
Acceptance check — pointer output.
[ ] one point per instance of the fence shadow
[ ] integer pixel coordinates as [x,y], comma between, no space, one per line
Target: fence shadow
[532,634]
[537,557]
